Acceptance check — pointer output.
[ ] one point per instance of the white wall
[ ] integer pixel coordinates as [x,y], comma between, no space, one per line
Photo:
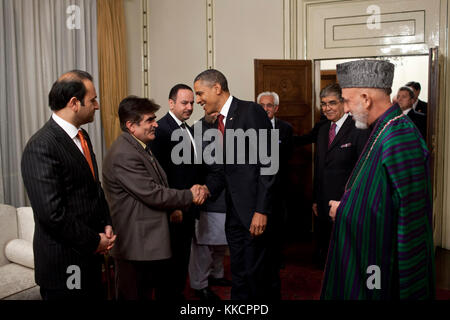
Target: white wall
[178,36]
[408,68]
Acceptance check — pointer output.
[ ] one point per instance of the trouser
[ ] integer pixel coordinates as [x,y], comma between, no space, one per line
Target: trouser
[91,286]
[137,280]
[254,271]
[322,232]
[180,237]
[205,261]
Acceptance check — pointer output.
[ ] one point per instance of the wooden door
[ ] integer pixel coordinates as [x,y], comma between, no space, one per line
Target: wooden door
[433,103]
[292,80]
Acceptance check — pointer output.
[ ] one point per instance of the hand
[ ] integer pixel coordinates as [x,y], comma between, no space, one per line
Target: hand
[314,209]
[258,225]
[176,216]
[199,194]
[103,244]
[111,236]
[334,205]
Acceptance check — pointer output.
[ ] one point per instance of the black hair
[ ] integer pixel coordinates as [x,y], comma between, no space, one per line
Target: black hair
[415,85]
[68,86]
[213,76]
[132,109]
[174,91]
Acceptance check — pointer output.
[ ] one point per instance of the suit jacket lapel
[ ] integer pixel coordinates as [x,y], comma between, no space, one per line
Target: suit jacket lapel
[68,144]
[346,126]
[159,171]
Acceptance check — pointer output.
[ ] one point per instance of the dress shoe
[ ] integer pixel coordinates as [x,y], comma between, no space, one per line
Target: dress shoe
[220,282]
[206,294]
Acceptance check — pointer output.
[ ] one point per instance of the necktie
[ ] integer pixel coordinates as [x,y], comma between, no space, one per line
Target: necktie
[220,125]
[87,153]
[183,125]
[331,134]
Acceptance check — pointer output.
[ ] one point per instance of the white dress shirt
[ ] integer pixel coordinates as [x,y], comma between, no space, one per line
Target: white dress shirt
[179,123]
[225,109]
[70,129]
[340,122]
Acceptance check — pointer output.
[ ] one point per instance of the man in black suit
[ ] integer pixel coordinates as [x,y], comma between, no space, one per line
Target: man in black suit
[270,101]
[248,187]
[72,222]
[339,144]
[179,176]
[405,99]
[418,105]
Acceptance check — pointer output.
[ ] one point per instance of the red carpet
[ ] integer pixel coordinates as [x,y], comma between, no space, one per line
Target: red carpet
[300,280]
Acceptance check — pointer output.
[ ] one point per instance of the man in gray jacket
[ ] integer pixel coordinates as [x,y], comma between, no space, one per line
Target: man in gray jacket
[139,198]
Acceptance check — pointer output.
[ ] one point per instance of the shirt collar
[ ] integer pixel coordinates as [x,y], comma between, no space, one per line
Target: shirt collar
[415,104]
[140,142]
[179,123]
[341,121]
[405,112]
[69,128]
[226,107]
[273,122]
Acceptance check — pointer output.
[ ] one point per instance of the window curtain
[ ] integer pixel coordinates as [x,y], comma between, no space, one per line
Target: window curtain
[41,39]
[113,64]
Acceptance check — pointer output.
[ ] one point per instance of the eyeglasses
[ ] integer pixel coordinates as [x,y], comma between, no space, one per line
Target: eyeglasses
[268,105]
[331,103]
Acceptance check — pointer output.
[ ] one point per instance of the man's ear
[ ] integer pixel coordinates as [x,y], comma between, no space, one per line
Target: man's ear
[74,104]
[171,104]
[130,126]
[218,88]
[366,100]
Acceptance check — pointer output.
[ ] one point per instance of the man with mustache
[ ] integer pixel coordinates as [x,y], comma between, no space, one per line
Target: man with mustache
[339,144]
[382,244]
[139,196]
[179,176]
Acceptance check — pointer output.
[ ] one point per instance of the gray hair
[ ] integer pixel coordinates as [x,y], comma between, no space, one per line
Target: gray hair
[276,98]
[331,90]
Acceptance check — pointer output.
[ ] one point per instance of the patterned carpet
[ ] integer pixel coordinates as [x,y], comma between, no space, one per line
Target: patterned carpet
[300,279]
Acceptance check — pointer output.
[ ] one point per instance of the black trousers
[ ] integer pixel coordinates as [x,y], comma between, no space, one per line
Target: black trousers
[138,280]
[180,238]
[91,285]
[322,233]
[254,271]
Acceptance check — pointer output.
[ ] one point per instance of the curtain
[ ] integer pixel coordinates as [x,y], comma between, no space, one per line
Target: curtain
[113,64]
[43,39]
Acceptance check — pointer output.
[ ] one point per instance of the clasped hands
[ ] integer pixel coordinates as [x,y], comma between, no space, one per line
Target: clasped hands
[199,194]
[107,241]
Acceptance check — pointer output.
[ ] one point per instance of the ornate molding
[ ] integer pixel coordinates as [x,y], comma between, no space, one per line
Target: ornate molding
[210,34]
[145,49]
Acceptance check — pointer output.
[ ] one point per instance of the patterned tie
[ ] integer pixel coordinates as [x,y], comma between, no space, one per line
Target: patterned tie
[87,153]
[220,125]
[331,134]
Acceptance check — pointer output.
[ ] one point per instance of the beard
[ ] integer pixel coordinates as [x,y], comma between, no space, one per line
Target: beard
[360,116]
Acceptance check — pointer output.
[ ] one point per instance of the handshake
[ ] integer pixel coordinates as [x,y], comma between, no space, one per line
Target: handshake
[199,194]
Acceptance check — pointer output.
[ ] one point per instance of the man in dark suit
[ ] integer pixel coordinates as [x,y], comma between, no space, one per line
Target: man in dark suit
[339,144]
[139,196]
[405,99]
[179,176]
[270,102]
[248,187]
[418,105]
[72,222]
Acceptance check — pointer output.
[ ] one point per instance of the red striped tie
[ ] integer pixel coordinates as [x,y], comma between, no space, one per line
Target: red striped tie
[331,134]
